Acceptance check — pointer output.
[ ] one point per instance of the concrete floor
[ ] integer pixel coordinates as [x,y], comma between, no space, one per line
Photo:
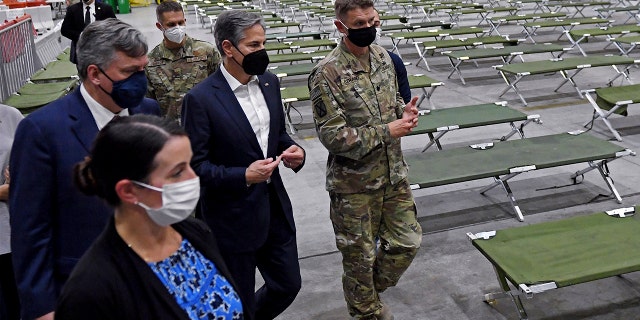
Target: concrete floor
[448,278]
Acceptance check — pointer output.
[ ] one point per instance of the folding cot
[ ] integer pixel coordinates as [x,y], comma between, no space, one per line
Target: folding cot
[496,22]
[293,46]
[433,9]
[438,34]
[35,95]
[538,5]
[631,11]
[296,69]
[415,25]
[507,159]
[507,54]
[211,14]
[567,25]
[561,253]
[442,121]
[290,95]
[518,71]
[631,41]
[59,70]
[286,25]
[431,46]
[65,55]
[578,36]
[421,81]
[321,14]
[577,6]
[299,56]
[296,35]
[613,100]
[482,12]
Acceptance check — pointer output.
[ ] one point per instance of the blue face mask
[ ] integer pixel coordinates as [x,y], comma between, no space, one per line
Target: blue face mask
[129,92]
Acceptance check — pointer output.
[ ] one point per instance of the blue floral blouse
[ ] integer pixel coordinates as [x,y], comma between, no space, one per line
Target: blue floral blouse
[197,286]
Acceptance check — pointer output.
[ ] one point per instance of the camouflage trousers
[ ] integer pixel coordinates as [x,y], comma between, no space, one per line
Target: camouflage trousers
[359,221]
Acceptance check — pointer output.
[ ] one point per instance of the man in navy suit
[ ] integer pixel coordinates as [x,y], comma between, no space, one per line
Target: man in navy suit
[78,16]
[235,121]
[52,222]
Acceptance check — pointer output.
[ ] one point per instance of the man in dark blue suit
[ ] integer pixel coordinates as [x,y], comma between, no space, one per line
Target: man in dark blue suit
[78,16]
[52,222]
[235,121]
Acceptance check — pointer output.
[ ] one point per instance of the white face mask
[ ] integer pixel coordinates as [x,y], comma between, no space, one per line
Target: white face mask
[178,201]
[175,34]
[378,35]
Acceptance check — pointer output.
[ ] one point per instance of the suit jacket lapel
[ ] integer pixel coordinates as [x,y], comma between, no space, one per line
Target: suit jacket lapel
[227,101]
[98,12]
[270,94]
[82,123]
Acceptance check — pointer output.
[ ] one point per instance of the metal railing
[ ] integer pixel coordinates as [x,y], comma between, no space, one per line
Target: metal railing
[18,59]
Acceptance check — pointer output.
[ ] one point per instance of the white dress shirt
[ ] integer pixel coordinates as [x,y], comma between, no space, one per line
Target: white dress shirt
[101,115]
[254,106]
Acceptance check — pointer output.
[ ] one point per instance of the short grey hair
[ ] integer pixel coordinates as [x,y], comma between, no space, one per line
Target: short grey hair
[100,41]
[231,25]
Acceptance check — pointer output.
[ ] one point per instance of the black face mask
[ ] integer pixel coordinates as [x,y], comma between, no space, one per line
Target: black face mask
[362,37]
[254,63]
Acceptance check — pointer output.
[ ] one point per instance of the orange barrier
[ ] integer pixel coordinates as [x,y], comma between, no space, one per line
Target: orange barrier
[15,4]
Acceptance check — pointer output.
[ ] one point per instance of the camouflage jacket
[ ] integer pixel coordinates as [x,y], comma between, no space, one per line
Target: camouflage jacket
[171,74]
[351,109]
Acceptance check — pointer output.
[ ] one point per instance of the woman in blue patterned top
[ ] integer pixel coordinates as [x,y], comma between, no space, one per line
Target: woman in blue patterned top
[152,261]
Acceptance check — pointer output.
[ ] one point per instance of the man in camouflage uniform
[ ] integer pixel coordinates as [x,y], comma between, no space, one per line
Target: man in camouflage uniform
[360,117]
[179,62]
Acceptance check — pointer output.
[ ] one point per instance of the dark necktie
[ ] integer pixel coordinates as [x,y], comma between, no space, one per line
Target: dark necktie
[87,16]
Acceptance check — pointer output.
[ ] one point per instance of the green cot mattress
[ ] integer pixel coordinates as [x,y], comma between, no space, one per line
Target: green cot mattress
[555,65]
[47,88]
[421,81]
[292,69]
[436,33]
[291,35]
[31,102]
[56,70]
[298,56]
[467,117]
[620,29]
[465,164]
[468,42]
[504,51]
[285,45]
[565,22]
[568,251]
[609,96]
[300,93]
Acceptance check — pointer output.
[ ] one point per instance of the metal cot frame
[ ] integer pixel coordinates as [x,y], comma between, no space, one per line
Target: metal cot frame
[603,229]
[505,160]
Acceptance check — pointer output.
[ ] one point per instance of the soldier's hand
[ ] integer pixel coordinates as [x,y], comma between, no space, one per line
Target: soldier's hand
[412,106]
[261,170]
[402,127]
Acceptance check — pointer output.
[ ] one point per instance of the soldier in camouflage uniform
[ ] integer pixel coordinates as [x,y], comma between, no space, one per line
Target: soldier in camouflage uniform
[178,63]
[360,117]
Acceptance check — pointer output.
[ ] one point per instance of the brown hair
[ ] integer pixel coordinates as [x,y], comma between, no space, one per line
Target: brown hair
[342,7]
[124,149]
